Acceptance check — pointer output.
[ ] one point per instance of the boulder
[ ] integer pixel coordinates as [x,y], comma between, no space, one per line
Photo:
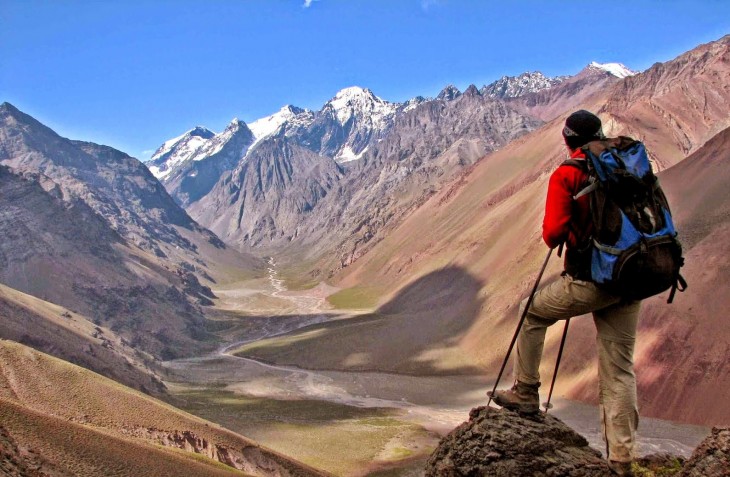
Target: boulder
[498,442]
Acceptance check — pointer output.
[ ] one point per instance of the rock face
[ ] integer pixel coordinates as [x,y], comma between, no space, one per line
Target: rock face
[712,456]
[503,443]
[269,194]
[282,193]
[342,174]
[117,187]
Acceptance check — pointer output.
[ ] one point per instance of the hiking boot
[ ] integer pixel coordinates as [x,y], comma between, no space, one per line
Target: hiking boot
[522,398]
[621,468]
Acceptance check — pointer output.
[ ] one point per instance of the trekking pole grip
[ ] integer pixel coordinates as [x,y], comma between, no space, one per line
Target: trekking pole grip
[519,325]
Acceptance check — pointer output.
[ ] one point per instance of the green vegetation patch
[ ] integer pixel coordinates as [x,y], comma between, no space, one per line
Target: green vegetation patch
[337,438]
[226,407]
[355,298]
[660,468]
[285,341]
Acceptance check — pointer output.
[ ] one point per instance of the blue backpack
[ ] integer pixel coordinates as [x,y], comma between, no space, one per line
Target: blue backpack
[635,252]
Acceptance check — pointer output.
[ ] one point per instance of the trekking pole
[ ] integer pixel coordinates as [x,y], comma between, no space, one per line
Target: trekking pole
[557,365]
[519,326]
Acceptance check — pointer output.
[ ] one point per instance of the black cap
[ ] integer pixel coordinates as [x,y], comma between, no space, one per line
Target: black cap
[582,127]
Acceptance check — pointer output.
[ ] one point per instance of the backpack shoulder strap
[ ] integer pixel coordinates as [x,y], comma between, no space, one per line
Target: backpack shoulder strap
[583,166]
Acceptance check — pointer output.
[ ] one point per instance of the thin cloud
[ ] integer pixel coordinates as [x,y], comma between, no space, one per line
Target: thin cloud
[308,3]
[426,5]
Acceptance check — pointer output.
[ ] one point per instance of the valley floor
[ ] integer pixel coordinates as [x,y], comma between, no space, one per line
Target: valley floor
[347,423]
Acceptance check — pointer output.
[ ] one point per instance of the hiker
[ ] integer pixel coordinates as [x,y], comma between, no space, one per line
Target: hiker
[568,221]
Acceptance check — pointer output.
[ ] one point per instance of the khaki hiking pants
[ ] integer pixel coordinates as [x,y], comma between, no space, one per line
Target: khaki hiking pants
[616,324]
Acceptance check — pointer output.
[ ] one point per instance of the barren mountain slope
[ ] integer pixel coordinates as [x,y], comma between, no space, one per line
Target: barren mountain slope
[266,197]
[66,254]
[490,226]
[79,423]
[499,244]
[427,147]
[70,336]
[117,187]
[683,102]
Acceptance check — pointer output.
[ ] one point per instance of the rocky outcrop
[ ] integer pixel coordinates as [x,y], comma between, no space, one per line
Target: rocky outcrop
[712,456]
[17,462]
[501,442]
[252,459]
[498,442]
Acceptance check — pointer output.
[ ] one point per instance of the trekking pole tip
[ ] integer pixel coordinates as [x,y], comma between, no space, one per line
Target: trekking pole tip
[547,406]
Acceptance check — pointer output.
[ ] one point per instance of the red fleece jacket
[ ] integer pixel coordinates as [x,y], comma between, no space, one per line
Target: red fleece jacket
[567,220]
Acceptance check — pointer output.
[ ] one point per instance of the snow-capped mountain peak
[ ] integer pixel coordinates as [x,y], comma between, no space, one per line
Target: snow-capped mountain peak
[177,150]
[264,127]
[234,125]
[413,103]
[617,69]
[236,128]
[192,138]
[360,102]
[349,94]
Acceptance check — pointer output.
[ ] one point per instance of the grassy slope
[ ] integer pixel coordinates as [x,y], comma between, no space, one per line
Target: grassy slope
[340,439]
[97,424]
[73,337]
[77,449]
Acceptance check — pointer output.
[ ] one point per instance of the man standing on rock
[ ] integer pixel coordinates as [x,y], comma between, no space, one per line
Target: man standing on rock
[568,220]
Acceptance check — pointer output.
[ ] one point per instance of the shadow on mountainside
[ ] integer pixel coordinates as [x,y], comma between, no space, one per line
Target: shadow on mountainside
[416,332]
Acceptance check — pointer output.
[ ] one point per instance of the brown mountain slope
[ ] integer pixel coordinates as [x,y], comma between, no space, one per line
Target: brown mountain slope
[80,423]
[119,188]
[65,253]
[72,337]
[675,107]
[488,225]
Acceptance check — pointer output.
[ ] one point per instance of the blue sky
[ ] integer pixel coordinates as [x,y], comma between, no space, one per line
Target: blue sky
[132,74]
